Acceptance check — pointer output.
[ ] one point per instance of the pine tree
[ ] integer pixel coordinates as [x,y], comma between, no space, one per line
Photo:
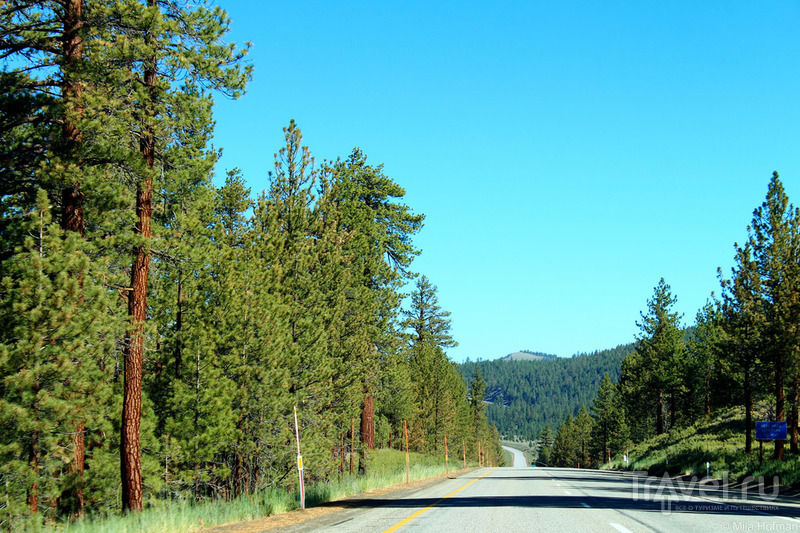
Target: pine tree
[53,352]
[609,431]
[433,373]
[651,373]
[312,287]
[49,137]
[703,371]
[743,324]
[583,427]
[380,250]
[429,324]
[545,442]
[159,44]
[774,242]
[564,452]
[476,398]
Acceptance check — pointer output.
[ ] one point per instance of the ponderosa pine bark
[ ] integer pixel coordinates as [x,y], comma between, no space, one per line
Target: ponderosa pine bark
[72,51]
[130,445]
[368,423]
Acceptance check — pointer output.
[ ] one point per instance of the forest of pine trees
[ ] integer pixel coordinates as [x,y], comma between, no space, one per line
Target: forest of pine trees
[526,396]
[743,351]
[156,330]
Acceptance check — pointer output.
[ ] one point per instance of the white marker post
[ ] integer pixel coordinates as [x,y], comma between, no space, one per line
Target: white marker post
[299,462]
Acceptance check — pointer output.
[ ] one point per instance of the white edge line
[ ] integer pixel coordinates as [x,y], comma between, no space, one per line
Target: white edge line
[742,508]
[620,528]
[755,511]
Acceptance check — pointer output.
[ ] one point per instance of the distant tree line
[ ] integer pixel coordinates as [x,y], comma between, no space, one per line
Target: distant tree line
[156,331]
[743,350]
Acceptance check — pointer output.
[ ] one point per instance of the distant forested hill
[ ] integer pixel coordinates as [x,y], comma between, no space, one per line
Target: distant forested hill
[525,396]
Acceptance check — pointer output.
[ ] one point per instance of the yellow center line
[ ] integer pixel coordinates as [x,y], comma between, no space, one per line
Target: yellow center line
[434,504]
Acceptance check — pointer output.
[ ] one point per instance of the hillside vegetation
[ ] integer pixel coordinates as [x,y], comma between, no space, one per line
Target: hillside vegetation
[718,440]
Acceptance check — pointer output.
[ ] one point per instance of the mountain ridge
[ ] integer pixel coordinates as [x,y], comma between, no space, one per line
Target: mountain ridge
[524,396]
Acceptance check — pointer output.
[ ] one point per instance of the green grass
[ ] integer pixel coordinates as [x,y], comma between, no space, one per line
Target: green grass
[386,468]
[718,441]
[508,457]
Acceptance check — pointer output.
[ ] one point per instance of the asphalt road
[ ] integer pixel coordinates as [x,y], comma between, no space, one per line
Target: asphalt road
[548,499]
[519,457]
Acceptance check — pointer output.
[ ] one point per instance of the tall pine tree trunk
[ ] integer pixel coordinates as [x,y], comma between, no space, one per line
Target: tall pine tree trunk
[130,445]
[367,432]
[130,460]
[72,51]
[72,197]
[659,413]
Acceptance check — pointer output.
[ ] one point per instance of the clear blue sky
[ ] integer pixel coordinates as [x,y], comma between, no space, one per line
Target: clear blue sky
[566,154]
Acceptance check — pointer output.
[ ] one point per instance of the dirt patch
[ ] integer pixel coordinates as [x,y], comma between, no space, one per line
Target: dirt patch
[293,518]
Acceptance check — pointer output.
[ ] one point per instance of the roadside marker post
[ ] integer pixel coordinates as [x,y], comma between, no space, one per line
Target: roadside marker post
[299,461]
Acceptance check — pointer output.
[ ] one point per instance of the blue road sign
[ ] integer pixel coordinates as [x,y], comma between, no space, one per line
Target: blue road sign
[770,430]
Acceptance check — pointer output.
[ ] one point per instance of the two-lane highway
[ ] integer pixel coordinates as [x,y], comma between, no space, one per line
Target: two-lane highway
[543,499]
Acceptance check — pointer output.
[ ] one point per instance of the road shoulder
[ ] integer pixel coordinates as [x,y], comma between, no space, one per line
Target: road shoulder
[323,513]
